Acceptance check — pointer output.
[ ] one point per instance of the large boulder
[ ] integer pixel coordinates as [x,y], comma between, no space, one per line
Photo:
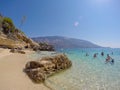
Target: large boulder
[39,70]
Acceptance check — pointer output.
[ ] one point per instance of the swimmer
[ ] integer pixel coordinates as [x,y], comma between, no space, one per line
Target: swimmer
[112,61]
[95,55]
[108,58]
[102,53]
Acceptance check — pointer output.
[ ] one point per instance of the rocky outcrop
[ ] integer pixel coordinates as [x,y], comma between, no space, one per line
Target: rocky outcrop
[44,47]
[11,37]
[39,70]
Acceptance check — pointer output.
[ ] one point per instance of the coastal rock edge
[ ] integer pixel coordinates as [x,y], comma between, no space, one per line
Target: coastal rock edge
[39,70]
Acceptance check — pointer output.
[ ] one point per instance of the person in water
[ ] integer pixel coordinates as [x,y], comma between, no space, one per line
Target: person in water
[102,53]
[95,55]
[87,54]
[109,59]
[112,61]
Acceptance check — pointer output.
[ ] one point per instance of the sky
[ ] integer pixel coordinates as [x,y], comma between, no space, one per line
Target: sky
[97,21]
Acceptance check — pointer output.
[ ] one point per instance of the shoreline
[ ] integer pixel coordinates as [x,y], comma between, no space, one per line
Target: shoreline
[12,76]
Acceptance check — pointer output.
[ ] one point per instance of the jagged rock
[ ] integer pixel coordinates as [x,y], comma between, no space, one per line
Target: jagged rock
[43,47]
[33,65]
[39,70]
[37,75]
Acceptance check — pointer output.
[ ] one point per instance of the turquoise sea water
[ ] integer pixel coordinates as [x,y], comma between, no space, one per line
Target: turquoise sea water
[88,73]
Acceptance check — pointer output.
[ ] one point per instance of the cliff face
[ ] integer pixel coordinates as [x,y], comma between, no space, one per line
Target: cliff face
[17,40]
[11,37]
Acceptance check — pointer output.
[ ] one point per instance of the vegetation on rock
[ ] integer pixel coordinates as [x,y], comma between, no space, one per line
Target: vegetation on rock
[7,25]
[11,37]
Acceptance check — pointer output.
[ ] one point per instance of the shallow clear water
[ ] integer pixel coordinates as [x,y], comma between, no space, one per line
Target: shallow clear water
[88,73]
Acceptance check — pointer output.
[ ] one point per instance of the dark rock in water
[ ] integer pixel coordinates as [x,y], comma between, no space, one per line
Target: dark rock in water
[39,70]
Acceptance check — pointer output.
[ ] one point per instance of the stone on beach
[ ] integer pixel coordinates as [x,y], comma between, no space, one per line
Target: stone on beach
[17,51]
[39,70]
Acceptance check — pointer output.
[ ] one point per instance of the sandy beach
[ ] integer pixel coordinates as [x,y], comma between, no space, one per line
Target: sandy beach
[12,76]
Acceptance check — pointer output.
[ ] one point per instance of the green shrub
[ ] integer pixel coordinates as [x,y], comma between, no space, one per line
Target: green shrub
[8,20]
[7,25]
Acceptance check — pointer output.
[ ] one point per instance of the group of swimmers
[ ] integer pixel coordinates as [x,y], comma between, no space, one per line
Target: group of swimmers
[108,58]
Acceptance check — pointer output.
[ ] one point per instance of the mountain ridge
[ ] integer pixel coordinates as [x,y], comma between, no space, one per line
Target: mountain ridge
[65,42]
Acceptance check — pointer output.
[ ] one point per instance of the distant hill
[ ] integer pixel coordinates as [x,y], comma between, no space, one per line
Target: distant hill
[64,42]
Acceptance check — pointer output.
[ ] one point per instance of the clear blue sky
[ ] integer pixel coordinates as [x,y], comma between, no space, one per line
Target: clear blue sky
[97,21]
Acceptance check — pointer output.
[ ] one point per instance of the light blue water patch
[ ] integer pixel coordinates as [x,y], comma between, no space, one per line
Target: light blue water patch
[87,72]
[41,54]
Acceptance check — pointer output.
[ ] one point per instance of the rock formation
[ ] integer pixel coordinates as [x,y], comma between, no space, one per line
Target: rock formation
[39,70]
[44,47]
[11,37]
